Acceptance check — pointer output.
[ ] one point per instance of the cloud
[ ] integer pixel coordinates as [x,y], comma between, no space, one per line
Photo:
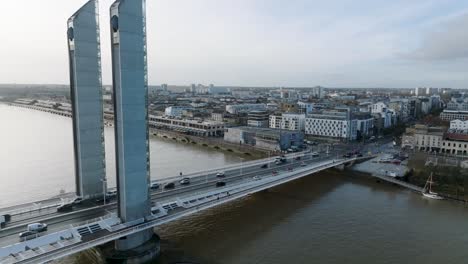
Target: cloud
[447,41]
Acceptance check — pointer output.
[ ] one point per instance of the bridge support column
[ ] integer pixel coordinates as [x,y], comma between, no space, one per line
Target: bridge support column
[128,38]
[148,249]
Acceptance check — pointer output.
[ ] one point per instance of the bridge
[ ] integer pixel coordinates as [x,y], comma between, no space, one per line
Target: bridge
[94,223]
[136,206]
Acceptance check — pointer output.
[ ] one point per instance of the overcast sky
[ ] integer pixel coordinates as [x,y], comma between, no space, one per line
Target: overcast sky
[337,43]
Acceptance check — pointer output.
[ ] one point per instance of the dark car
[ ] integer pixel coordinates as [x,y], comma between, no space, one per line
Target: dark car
[185,181]
[347,155]
[264,166]
[297,158]
[169,185]
[220,184]
[65,207]
[154,186]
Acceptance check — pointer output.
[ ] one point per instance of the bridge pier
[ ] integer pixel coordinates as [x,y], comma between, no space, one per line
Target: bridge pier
[139,248]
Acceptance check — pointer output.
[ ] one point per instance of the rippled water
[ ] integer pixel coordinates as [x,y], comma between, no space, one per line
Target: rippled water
[331,217]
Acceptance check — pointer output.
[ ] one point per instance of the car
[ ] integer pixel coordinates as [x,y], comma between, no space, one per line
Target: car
[347,155]
[278,162]
[298,158]
[37,227]
[220,174]
[290,168]
[379,137]
[26,235]
[359,155]
[4,219]
[169,185]
[274,172]
[220,184]
[303,164]
[185,181]
[77,200]
[314,154]
[65,207]
[111,194]
[154,186]
[256,178]
[264,166]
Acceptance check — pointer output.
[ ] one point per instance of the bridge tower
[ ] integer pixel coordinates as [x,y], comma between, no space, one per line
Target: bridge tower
[86,98]
[129,73]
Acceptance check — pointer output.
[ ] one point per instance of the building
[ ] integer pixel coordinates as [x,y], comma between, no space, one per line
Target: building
[305,107]
[317,92]
[435,139]
[188,126]
[331,123]
[86,97]
[175,111]
[449,115]
[265,138]
[257,118]
[288,121]
[293,121]
[459,125]
[289,106]
[365,124]
[235,109]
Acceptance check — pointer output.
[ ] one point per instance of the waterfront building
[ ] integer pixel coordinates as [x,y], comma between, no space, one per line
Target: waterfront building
[331,123]
[86,97]
[264,138]
[188,126]
[435,139]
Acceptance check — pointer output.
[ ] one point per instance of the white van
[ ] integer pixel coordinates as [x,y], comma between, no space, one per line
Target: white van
[37,227]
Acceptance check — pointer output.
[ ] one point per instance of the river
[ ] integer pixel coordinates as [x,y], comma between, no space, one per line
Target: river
[330,217]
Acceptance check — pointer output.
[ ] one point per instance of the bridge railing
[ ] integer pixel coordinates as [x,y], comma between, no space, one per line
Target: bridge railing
[229,167]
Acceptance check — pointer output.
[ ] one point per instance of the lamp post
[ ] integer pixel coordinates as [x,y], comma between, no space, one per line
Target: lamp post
[242,165]
[104,187]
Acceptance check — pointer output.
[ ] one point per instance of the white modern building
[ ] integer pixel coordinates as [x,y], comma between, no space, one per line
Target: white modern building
[334,124]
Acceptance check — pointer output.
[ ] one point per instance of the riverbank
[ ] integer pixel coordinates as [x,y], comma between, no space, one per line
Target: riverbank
[213,143]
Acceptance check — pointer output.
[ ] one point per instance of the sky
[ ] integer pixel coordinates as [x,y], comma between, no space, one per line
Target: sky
[333,43]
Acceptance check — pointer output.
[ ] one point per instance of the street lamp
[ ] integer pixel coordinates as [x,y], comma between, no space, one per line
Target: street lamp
[104,185]
[242,164]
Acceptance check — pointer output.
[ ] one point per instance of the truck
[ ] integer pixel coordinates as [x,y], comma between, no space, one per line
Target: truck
[4,219]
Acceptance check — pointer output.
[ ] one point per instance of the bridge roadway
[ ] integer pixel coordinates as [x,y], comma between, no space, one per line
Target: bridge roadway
[237,183]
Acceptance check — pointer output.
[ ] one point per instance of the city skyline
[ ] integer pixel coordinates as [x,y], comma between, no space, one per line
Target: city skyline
[261,43]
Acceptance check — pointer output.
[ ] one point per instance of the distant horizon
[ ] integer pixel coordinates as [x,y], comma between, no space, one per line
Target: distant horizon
[240,86]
